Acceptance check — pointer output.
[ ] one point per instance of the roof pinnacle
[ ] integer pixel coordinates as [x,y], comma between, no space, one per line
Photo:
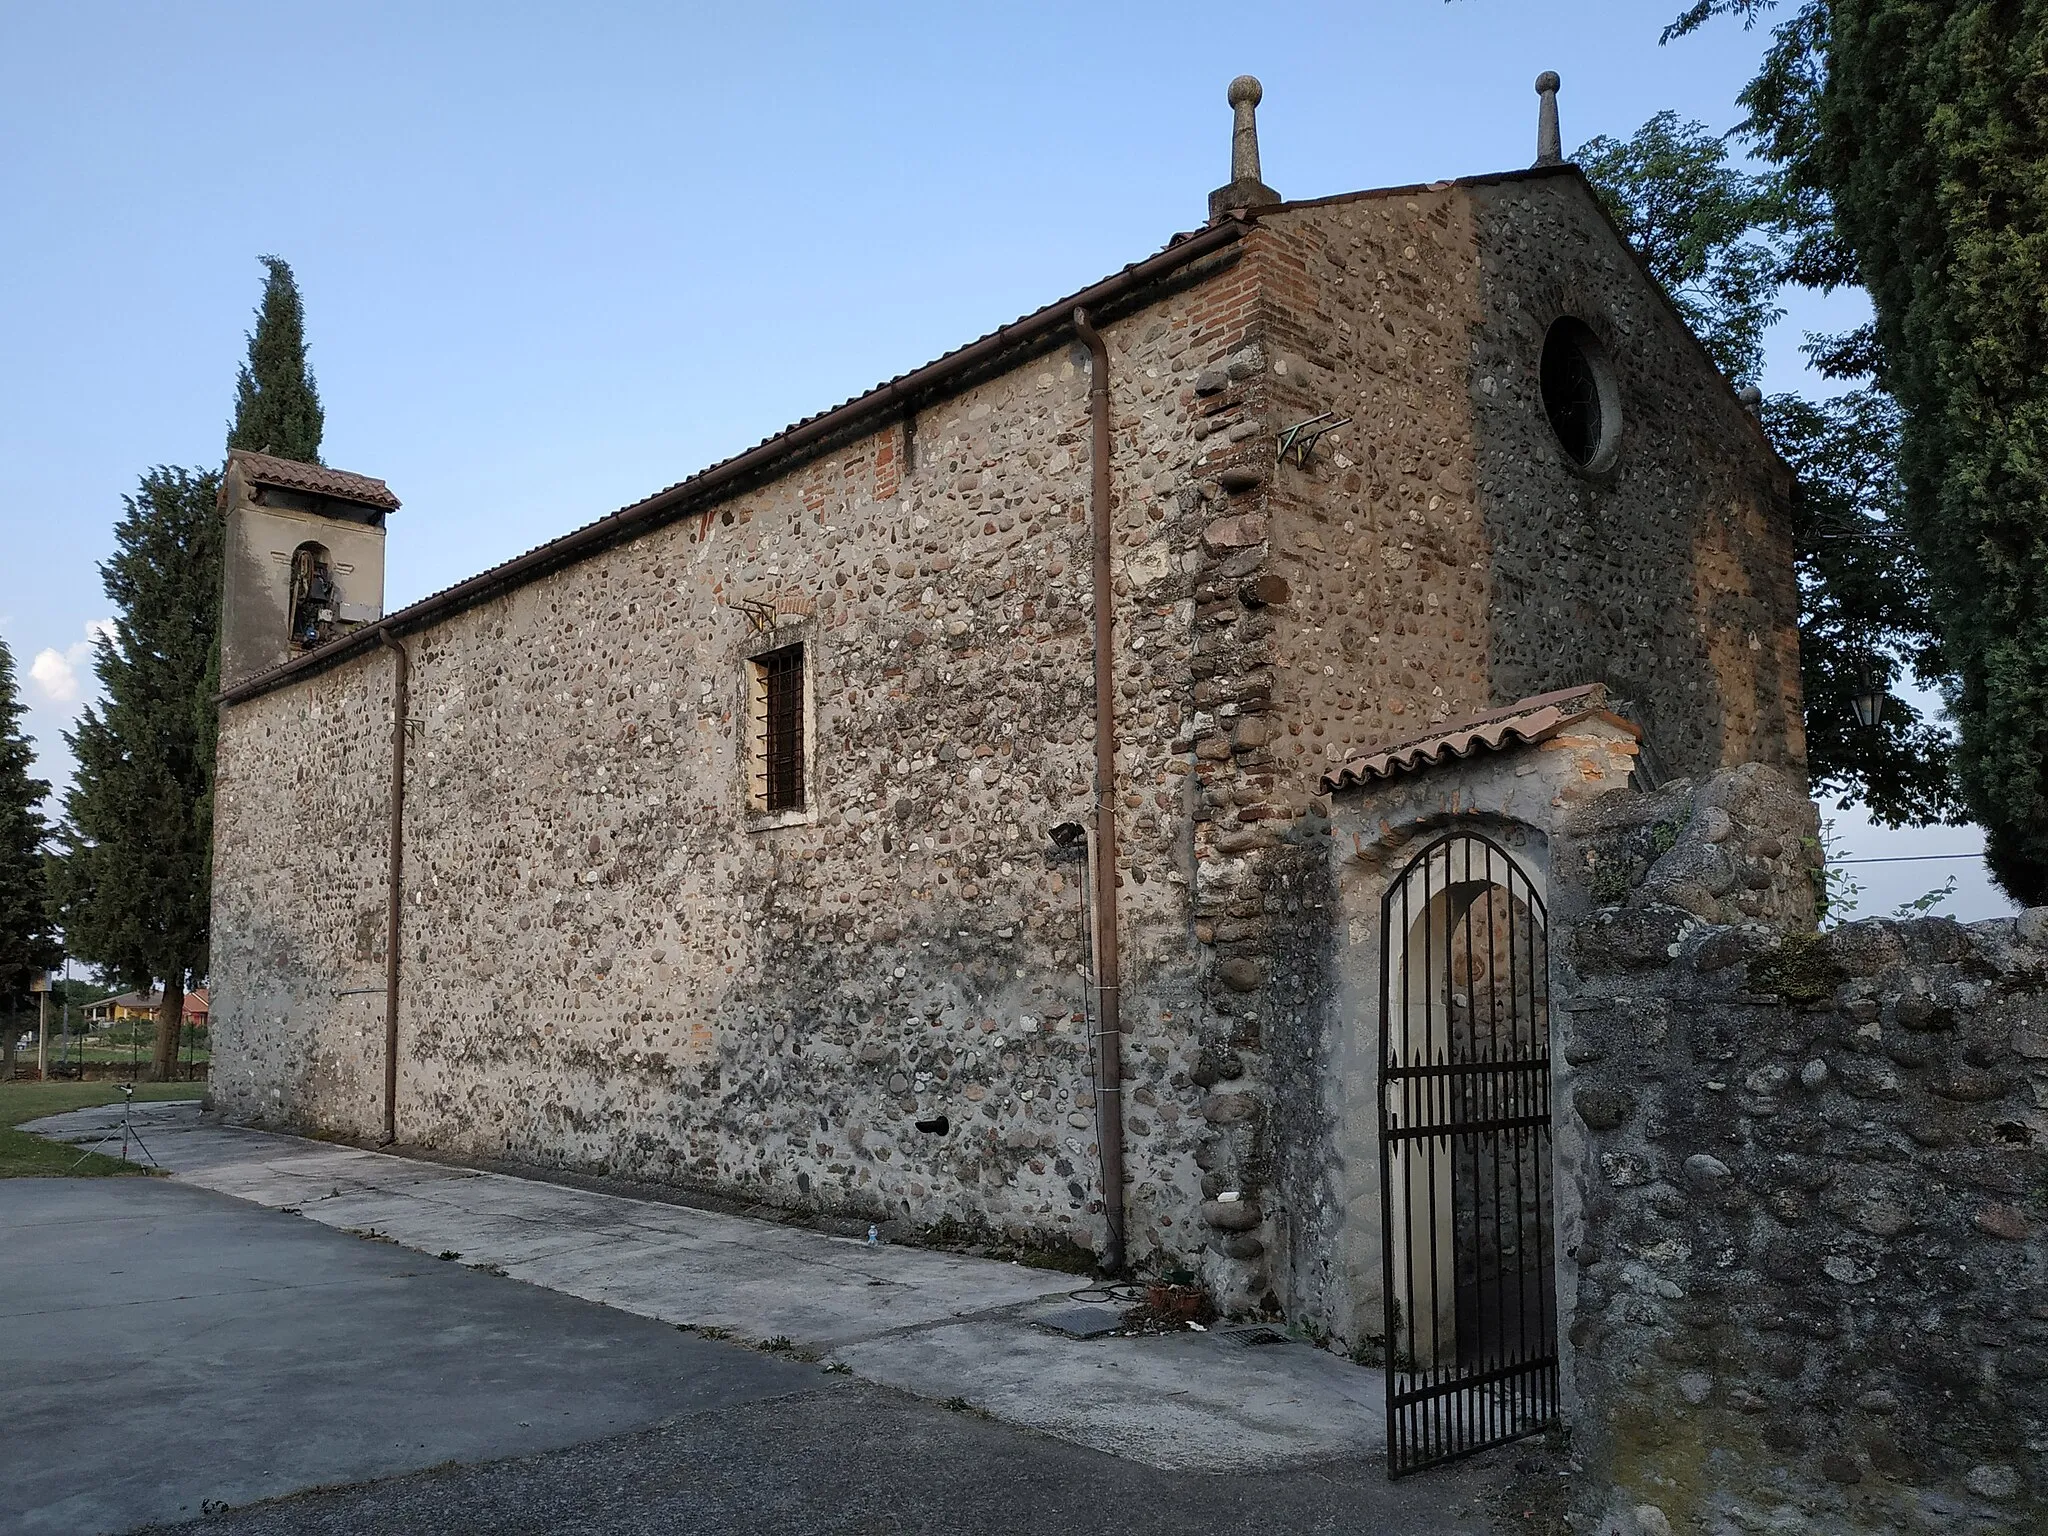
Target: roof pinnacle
[1549,144]
[1245,190]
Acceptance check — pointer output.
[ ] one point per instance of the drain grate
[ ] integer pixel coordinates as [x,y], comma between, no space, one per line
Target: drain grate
[1250,1336]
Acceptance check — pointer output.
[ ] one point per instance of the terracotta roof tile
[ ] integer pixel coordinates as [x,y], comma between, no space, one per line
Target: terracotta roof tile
[313,479]
[649,511]
[1528,720]
[636,513]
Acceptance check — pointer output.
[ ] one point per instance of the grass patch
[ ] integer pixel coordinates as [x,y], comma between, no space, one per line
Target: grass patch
[23,1156]
[949,1234]
[1799,969]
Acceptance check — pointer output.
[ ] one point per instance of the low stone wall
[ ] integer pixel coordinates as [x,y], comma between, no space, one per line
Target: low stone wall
[1809,1291]
[1738,846]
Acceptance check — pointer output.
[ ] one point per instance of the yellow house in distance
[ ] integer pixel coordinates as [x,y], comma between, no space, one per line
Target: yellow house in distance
[143,1005]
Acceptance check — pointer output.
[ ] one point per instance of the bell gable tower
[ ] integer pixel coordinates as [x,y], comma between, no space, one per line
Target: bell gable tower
[303,559]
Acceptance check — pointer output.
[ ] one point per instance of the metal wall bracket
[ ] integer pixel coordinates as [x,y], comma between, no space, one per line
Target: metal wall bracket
[1301,438]
[760,616]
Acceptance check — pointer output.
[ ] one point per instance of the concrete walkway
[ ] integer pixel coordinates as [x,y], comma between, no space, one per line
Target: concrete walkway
[170,1350]
[936,1325]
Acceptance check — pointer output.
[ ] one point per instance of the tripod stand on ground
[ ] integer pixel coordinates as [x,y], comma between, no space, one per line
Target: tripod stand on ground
[128,1132]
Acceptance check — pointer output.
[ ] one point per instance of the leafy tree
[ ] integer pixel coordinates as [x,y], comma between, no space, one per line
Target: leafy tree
[78,993]
[1783,123]
[1723,243]
[277,405]
[135,876]
[1912,139]
[25,939]
[1699,223]
[1863,605]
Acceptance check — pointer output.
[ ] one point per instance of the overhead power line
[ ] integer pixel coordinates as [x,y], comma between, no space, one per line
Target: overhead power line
[1908,858]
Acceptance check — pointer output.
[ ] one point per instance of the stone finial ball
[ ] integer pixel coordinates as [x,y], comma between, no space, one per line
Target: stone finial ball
[1246,88]
[1547,82]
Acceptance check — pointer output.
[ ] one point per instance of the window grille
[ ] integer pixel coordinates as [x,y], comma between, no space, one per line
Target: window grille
[779,726]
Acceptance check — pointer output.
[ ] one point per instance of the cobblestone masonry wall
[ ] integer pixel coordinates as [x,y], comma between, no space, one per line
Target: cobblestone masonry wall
[299,903]
[1431,560]
[605,967]
[1811,1291]
[1372,314]
[1668,577]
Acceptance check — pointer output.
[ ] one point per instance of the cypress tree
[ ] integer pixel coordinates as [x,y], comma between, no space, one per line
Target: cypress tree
[135,874]
[25,938]
[277,406]
[1934,145]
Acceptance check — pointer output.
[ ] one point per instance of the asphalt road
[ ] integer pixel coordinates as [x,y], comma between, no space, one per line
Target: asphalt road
[167,1346]
[172,1351]
[864,1459]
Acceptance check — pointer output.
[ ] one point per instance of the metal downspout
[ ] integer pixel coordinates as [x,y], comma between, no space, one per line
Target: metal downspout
[401,704]
[1109,1039]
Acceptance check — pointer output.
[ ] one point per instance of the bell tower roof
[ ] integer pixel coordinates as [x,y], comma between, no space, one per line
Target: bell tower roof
[265,470]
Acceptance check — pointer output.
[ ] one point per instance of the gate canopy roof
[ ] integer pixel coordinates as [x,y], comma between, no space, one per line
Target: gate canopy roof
[1526,721]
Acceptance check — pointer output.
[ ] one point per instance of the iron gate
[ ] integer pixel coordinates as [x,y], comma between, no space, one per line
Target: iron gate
[1465,1179]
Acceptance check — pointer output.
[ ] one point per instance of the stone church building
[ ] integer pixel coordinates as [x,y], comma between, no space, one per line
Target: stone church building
[756,836]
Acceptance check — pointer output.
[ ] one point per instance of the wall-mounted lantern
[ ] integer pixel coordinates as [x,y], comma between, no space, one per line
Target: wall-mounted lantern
[1870,693]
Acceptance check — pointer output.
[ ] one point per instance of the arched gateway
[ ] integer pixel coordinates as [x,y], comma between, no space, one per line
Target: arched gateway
[1465,1159]
[1455,1200]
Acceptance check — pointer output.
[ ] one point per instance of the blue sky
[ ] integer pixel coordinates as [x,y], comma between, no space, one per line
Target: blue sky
[555,258]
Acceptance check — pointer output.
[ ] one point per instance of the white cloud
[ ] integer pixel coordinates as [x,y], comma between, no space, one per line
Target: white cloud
[57,672]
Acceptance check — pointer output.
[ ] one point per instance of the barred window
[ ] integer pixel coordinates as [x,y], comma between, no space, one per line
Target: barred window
[776,721]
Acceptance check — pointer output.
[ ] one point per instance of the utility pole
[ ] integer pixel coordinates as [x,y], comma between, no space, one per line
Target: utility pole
[39,983]
[63,1010]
